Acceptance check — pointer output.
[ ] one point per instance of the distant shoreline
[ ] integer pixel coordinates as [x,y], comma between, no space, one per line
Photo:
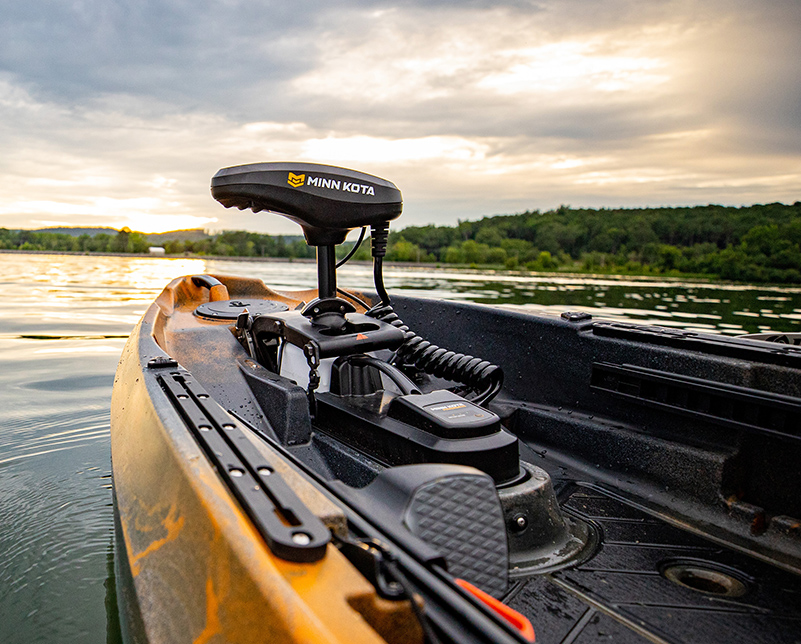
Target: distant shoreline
[700,279]
[359,262]
[151,256]
[274,260]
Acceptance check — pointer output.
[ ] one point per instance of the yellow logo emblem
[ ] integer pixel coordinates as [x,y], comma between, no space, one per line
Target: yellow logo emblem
[296,180]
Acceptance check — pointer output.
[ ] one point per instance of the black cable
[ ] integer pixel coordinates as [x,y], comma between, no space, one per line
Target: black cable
[405,385]
[358,300]
[352,252]
[429,635]
[354,249]
[378,279]
[478,374]
[379,237]
[385,560]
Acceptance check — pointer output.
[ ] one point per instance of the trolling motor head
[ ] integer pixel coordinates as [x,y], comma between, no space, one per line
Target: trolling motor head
[328,202]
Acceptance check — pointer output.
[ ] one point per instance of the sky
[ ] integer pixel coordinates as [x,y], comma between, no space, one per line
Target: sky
[118,112]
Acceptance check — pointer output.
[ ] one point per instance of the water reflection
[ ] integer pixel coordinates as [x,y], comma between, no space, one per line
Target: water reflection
[75,295]
[730,309]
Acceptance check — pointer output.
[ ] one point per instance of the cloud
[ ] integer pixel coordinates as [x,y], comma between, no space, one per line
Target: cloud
[119,113]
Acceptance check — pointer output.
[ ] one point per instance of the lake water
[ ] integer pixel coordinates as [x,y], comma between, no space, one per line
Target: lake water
[63,324]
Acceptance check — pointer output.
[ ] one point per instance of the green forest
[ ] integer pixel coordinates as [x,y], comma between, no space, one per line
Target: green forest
[227,244]
[759,243]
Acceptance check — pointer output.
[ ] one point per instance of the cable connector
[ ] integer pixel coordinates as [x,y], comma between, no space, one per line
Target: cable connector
[379,234]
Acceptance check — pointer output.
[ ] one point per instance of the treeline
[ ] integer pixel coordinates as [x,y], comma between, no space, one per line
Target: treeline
[124,241]
[760,243]
[229,243]
[239,243]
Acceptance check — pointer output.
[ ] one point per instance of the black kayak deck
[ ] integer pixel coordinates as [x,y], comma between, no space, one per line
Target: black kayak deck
[621,594]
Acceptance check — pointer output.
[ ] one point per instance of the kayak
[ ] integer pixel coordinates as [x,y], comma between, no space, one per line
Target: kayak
[336,466]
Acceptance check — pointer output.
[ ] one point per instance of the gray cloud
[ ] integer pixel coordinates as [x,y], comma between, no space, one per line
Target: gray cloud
[508,106]
[181,53]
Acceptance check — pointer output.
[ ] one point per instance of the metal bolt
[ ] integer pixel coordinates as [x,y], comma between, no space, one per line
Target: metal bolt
[519,523]
[301,539]
[265,471]
[236,472]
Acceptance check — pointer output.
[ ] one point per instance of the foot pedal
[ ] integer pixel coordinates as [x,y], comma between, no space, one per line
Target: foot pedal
[456,511]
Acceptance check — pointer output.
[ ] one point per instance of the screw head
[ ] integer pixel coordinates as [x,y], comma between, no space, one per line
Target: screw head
[518,523]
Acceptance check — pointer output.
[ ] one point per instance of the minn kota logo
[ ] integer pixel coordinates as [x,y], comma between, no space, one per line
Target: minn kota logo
[296,180]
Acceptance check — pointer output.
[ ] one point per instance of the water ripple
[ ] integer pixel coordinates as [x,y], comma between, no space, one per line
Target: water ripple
[23,438]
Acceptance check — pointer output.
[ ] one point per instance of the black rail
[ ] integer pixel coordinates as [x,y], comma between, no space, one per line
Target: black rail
[290,529]
[720,403]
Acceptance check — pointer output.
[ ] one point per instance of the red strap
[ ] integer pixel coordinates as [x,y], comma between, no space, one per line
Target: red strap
[519,621]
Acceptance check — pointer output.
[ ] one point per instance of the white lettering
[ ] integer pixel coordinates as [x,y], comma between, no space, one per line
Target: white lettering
[336,184]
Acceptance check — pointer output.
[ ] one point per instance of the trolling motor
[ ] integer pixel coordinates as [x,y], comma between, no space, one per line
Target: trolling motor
[328,203]
[330,349]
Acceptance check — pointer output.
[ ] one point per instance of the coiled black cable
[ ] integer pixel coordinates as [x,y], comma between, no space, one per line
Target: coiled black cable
[478,374]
